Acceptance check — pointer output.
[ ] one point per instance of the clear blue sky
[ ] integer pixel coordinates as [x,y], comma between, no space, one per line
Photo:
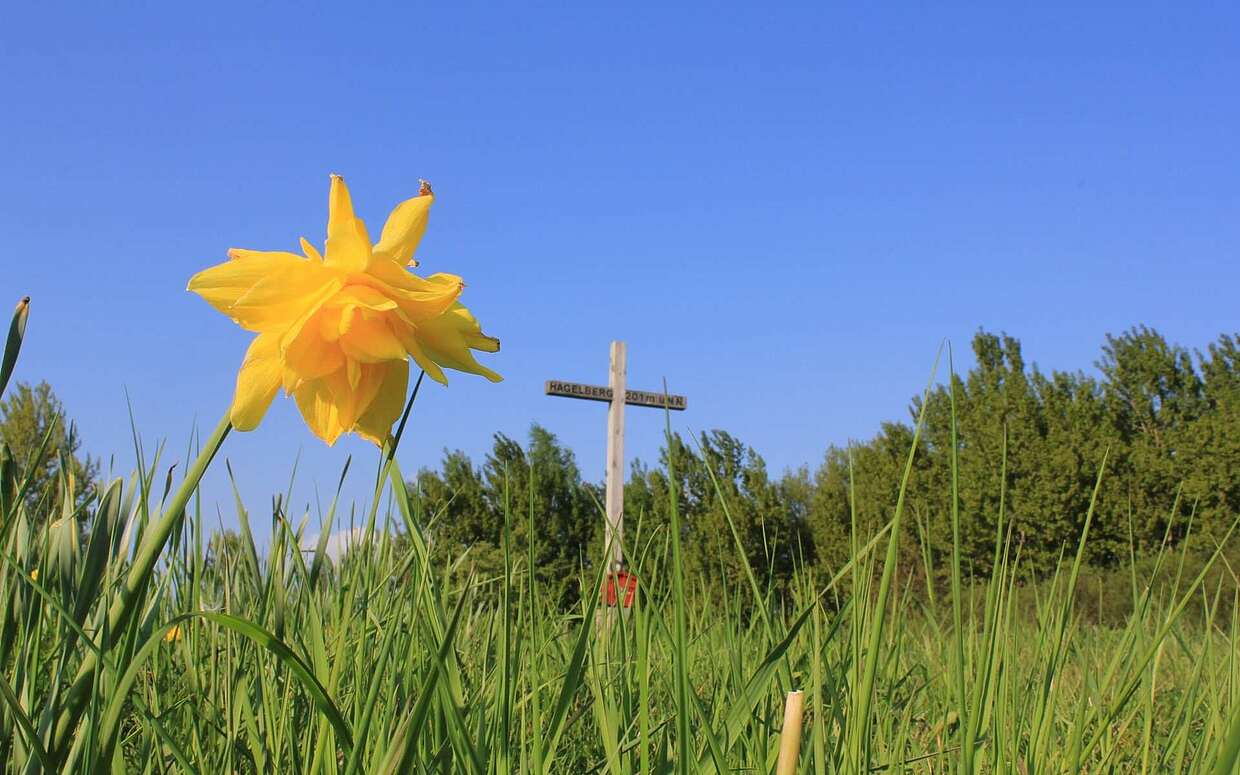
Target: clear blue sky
[782,210]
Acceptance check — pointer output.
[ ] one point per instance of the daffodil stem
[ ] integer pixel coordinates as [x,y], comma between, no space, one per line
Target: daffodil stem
[133,592]
[386,455]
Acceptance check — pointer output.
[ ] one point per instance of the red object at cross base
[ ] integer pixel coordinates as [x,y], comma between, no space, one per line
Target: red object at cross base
[615,583]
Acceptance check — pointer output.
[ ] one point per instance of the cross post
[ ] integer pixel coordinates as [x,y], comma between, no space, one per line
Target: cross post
[614,533]
[616,394]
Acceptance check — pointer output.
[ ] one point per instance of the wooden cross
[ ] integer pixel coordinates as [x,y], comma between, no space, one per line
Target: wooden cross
[617,396]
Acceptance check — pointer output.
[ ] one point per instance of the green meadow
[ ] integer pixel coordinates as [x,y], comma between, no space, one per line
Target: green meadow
[136,640]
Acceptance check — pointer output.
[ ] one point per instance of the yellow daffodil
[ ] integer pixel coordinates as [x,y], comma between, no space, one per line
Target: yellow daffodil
[336,329]
[34,575]
[173,635]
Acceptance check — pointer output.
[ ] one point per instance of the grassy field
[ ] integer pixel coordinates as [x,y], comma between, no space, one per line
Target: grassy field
[286,662]
[132,641]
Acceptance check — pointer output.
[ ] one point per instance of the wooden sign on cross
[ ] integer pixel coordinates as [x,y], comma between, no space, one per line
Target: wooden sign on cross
[616,395]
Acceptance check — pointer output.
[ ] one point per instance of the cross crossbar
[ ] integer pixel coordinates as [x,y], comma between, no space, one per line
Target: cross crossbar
[631,397]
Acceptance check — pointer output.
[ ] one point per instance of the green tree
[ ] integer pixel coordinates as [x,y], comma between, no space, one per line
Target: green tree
[720,485]
[544,482]
[27,417]
[461,523]
[1154,398]
[1075,439]
[866,476]
[1212,448]
[467,507]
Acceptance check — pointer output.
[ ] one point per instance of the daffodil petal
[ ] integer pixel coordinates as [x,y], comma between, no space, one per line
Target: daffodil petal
[245,254]
[409,340]
[348,246]
[290,380]
[461,360]
[311,309]
[352,395]
[257,382]
[310,356]
[329,321]
[261,291]
[376,422]
[370,340]
[318,409]
[362,296]
[418,298]
[385,276]
[446,340]
[310,250]
[481,342]
[221,285]
[348,251]
[339,206]
[403,230]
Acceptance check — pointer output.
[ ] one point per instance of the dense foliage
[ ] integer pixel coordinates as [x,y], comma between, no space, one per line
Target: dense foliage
[1164,422]
[34,426]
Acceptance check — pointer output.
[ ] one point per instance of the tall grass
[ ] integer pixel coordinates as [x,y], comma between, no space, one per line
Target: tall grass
[236,657]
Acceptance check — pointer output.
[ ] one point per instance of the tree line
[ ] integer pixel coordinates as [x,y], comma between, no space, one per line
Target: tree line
[1155,431]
